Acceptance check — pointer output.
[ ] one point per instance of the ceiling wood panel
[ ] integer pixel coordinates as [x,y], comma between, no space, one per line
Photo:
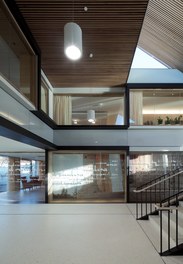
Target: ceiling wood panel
[110,32]
[162,32]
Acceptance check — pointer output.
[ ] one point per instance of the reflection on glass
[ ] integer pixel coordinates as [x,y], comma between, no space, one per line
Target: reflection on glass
[3,174]
[89,110]
[156,107]
[89,175]
[21,180]
[144,167]
[18,62]
[44,98]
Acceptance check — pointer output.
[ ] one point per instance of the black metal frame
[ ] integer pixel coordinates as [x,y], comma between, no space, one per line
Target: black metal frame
[10,130]
[50,122]
[13,8]
[80,148]
[166,193]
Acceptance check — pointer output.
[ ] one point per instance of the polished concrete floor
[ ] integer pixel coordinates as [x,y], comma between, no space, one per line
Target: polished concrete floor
[75,234]
[28,196]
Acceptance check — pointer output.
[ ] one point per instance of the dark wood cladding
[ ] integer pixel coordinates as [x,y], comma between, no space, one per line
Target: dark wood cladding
[162,32]
[110,32]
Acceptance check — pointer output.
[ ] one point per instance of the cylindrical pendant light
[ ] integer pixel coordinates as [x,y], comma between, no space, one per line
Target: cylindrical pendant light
[72,41]
[91,116]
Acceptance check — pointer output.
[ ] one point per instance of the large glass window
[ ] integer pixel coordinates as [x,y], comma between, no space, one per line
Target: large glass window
[3,174]
[87,175]
[144,167]
[18,61]
[22,180]
[89,110]
[156,107]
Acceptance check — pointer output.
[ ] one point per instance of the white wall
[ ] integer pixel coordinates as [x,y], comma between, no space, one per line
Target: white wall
[90,137]
[160,138]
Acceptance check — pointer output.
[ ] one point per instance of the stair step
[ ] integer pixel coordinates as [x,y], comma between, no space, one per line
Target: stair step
[151,233]
[173,220]
[155,221]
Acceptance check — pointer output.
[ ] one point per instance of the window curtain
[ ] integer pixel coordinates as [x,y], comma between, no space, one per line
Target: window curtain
[136,108]
[43,99]
[63,110]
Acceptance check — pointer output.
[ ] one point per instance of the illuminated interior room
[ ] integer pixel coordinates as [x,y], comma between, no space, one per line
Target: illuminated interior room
[91,122]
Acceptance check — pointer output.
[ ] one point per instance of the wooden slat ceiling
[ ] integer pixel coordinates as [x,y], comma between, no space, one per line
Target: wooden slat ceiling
[162,32]
[110,32]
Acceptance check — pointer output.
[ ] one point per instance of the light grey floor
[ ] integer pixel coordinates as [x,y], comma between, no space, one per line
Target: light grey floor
[28,196]
[74,234]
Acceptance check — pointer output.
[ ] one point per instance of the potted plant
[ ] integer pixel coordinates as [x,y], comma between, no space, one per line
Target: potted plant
[178,119]
[168,120]
[160,120]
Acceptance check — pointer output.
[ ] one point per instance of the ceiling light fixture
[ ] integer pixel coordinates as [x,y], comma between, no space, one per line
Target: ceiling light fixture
[91,116]
[73,41]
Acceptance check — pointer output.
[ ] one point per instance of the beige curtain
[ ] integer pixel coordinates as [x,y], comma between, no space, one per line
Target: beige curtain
[43,99]
[136,107]
[63,110]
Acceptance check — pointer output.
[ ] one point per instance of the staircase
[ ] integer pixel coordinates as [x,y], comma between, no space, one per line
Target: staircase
[164,240]
[159,201]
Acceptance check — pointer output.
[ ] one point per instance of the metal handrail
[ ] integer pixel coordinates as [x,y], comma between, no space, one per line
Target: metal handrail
[172,197]
[166,193]
[168,208]
[149,186]
[149,182]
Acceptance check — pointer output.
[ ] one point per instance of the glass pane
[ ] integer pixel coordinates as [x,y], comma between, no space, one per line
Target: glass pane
[156,107]
[89,110]
[144,167]
[91,175]
[44,98]
[22,180]
[3,174]
[18,62]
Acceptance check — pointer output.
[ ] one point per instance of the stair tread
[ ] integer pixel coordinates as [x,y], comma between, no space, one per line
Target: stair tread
[153,235]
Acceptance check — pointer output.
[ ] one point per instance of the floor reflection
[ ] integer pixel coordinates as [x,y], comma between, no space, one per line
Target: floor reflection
[32,196]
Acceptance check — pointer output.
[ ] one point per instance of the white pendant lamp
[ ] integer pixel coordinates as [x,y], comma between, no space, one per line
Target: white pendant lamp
[91,116]
[73,41]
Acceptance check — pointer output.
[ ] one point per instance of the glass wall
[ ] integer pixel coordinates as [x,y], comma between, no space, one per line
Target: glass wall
[144,167]
[22,180]
[3,174]
[18,61]
[44,98]
[89,110]
[156,107]
[87,175]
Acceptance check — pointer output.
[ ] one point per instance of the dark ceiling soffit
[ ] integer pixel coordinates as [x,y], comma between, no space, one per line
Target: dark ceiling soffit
[136,45]
[15,132]
[12,6]
[155,85]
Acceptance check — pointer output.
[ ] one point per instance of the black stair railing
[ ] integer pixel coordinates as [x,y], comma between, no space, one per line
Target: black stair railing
[158,196]
[165,242]
[156,190]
